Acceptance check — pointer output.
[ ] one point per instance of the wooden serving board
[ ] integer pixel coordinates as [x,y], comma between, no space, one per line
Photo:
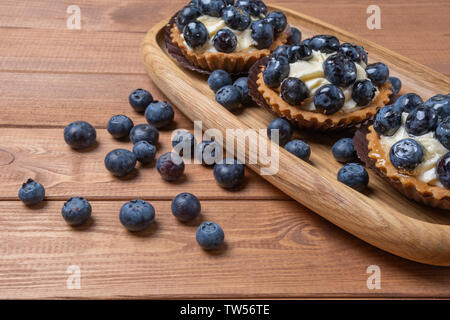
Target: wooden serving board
[381,216]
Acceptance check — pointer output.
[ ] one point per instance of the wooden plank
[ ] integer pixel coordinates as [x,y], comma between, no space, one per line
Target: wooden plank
[273,249]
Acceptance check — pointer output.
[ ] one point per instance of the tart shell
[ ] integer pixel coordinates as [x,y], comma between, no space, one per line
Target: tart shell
[368,147]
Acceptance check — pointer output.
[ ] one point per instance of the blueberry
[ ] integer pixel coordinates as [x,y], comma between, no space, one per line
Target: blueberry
[242,85]
[306,42]
[251,6]
[144,152]
[210,235]
[186,207]
[31,192]
[195,34]
[119,126]
[340,70]
[225,41]
[230,97]
[184,141]
[295,37]
[324,43]
[262,33]
[159,114]
[80,135]
[354,175]
[363,92]
[387,121]
[144,132]
[441,104]
[262,7]
[344,151]
[396,84]
[276,71]
[229,2]
[329,99]
[137,215]
[420,121]
[378,73]
[120,162]
[443,170]
[294,91]
[76,211]
[186,15]
[219,79]
[443,132]
[406,154]
[236,18]
[280,51]
[362,53]
[170,166]
[278,21]
[229,173]
[408,102]
[299,148]
[208,151]
[350,51]
[299,52]
[193,3]
[139,99]
[211,8]
[284,128]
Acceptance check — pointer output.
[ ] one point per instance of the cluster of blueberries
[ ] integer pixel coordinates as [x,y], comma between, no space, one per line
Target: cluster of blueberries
[339,69]
[423,117]
[237,16]
[231,95]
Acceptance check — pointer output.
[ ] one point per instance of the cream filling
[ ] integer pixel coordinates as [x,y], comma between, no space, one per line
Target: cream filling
[312,74]
[433,152]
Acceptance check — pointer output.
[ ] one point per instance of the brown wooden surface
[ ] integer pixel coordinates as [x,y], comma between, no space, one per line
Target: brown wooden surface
[275,248]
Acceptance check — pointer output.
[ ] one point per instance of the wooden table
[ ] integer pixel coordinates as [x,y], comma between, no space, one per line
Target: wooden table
[51,76]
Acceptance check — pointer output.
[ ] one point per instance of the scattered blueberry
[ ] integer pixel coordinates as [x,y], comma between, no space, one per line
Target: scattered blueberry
[236,18]
[299,148]
[408,102]
[76,211]
[350,51]
[324,43]
[186,207]
[396,84]
[144,152]
[225,41]
[443,170]
[421,120]
[159,114]
[295,37]
[340,70]
[80,135]
[195,34]
[278,21]
[206,152]
[443,132]
[276,71]
[229,173]
[219,79]
[137,215]
[387,121]
[406,154]
[211,8]
[120,162]
[262,33]
[251,6]
[186,15]
[284,128]
[441,104]
[294,91]
[210,235]
[139,99]
[329,99]
[344,151]
[242,85]
[230,97]
[119,126]
[354,175]
[378,73]
[363,92]
[299,52]
[170,166]
[144,132]
[31,192]
[184,141]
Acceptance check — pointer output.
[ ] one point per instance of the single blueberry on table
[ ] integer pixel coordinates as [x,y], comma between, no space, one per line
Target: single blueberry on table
[443,132]
[299,52]
[340,70]
[242,84]
[421,121]
[329,99]
[170,166]
[186,207]
[208,152]
[225,41]
[76,211]
[211,8]
[145,152]
[441,105]
[139,99]
[443,170]
[295,37]
[284,128]
[324,43]
[210,235]
[219,79]
[251,6]
[408,102]
[119,126]
[229,173]
[363,92]
[80,135]
[229,97]
[137,215]
[236,18]
[350,51]
[276,71]
[354,175]
[144,132]
[344,151]
[299,148]
[294,91]
[406,154]
[184,141]
[378,73]
[278,21]
[396,84]
[387,121]
[186,15]
[262,33]
[159,114]
[195,34]
[120,162]
[31,192]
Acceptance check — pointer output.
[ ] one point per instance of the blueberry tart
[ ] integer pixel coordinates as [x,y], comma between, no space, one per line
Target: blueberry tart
[227,35]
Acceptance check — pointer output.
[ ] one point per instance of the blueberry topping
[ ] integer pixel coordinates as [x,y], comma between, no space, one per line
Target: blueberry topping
[184,141]
[295,37]
[229,173]
[80,135]
[329,99]
[278,21]
[144,132]
[443,170]
[251,6]
[211,8]
[229,2]
[137,215]
[186,15]
[280,51]
[324,43]
[119,126]
[139,99]
[344,151]
[242,84]
[236,18]
[340,70]
[145,152]
[420,121]
[186,207]
[350,51]
[76,211]
[406,154]
[230,97]
[443,132]
[387,121]
[170,166]
[262,7]
[225,41]
[276,71]
[120,162]
[159,114]
[396,84]
[378,73]
[210,235]
[219,79]
[262,33]
[299,148]
[31,192]
[363,92]
[362,53]
[294,91]
[354,175]
[195,34]
[441,104]
[408,102]
[284,128]
[208,152]
[299,52]
[306,42]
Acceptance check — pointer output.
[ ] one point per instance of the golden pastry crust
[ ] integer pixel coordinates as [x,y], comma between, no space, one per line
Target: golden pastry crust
[235,62]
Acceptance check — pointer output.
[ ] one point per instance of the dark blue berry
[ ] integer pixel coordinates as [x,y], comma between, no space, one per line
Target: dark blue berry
[299,148]
[184,141]
[278,21]
[120,162]
[210,235]
[420,121]
[76,211]
[242,84]
[159,114]
[262,33]
[119,126]
[80,135]
[378,73]
[329,99]
[299,52]
[340,70]
[229,2]
[186,207]
[284,128]
[344,151]
[443,132]
[354,175]
[295,37]
[294,91]
[262,7]
[406,154]
[441,104]
[225,41]
[195,34]
[306,42]
[139,99]
[211,8]
[137,215]
[396,84]
[186,15]
[387,121]
[324,43]
[408,102]
[236,18]
[229,173]
[362,53]
[208,151]
[219,79]
[280,51]
[443,170]
[350,51]
[251,6]
[144,132]
[170,166]
[31,192]
[363,92]
[276,71]
[145,152]
[230,97]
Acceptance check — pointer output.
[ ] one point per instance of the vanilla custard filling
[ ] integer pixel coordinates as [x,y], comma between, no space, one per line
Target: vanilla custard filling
[312,74]
[433,152]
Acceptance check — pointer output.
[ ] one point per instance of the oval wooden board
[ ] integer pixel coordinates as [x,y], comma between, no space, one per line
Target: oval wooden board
[381,216]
